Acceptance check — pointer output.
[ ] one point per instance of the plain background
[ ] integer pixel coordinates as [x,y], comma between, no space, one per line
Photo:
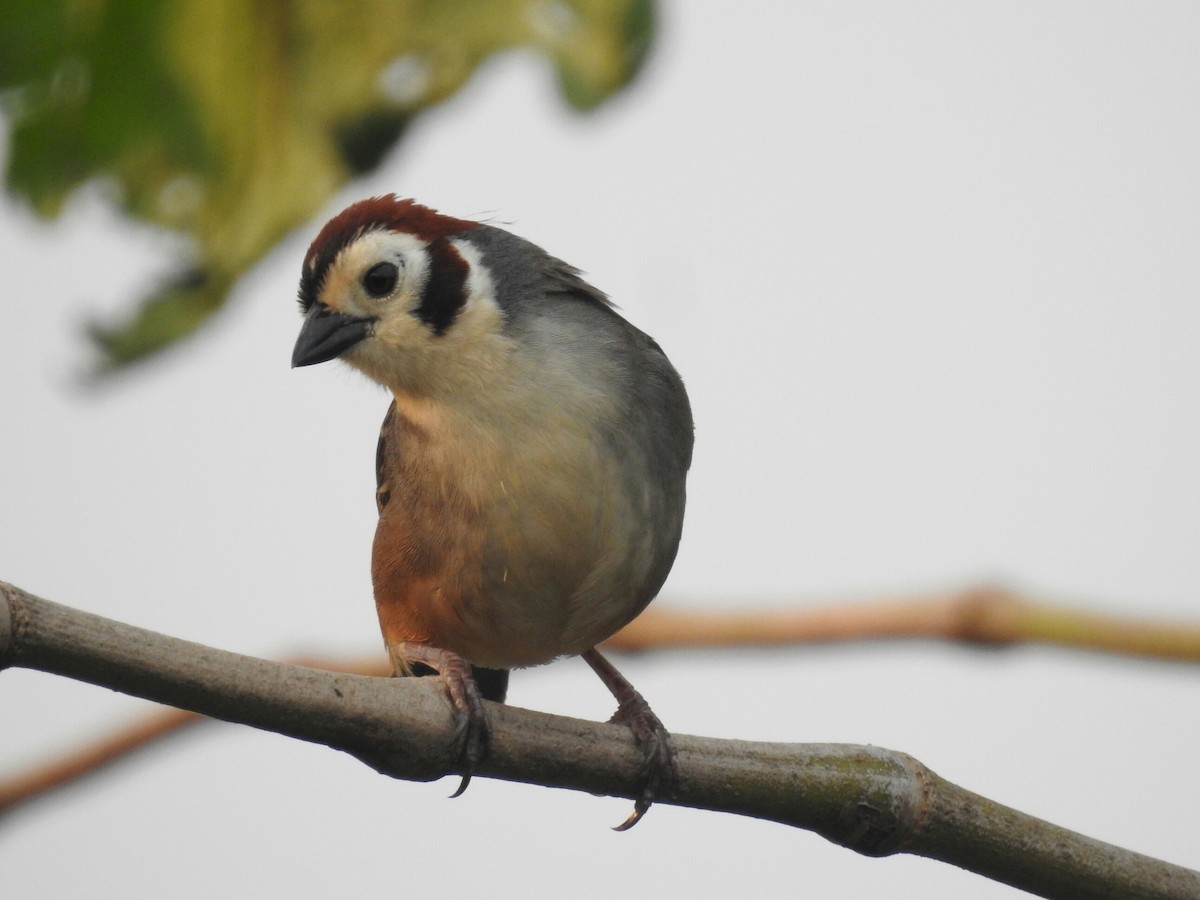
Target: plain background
[931,274]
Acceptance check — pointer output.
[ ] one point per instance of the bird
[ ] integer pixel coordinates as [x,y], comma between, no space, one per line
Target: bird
[531,468]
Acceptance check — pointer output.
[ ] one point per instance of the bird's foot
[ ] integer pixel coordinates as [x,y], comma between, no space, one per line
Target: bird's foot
[471,729]
[658,774]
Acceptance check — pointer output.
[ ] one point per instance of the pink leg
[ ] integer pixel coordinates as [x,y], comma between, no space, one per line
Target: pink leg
[470,718]
[660,771]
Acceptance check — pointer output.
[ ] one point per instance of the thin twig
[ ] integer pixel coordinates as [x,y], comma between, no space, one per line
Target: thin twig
[40,781]
[987,615]
[124,741]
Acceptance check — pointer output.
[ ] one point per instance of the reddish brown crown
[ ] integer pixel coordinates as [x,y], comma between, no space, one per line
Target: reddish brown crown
[388,212]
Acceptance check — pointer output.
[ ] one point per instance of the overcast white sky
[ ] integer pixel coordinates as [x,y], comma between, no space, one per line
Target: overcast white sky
[931,272]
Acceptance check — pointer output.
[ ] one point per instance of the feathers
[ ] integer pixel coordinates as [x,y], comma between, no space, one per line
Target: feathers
[383,489]
[446,290]
[386,212]
[530,471]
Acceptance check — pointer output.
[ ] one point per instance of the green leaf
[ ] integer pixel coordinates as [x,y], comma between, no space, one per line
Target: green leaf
[173,312]
[234,121]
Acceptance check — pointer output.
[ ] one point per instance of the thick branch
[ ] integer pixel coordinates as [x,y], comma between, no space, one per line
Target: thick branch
[874,801]
[986,616]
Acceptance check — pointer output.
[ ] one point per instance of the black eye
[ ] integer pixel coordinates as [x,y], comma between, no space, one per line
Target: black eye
[380,279]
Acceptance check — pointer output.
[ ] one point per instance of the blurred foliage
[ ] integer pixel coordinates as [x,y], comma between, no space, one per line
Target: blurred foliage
[234,121]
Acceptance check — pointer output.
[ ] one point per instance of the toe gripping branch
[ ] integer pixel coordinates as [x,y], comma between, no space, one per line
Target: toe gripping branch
[471,729]
[658,774]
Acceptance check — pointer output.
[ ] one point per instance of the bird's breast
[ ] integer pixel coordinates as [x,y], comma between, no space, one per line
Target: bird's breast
[517,545]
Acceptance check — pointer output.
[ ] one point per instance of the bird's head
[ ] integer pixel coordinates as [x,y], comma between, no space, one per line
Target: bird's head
[393,289]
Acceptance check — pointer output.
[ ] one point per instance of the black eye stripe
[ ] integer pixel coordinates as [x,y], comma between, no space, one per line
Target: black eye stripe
[380,279]
[445,291]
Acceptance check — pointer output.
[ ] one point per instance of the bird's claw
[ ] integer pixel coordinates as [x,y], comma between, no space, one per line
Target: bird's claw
[639,809]
[462,786]
[658,775]
[472,733]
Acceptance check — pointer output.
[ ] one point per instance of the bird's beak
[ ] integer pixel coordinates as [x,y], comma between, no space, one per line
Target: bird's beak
[327,334]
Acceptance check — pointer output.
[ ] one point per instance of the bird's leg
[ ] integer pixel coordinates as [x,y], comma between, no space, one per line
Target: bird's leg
[471,732]
[660,770]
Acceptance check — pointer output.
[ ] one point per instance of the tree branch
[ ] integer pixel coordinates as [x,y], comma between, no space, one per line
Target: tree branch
[988,615]
[874,801]
[59,772]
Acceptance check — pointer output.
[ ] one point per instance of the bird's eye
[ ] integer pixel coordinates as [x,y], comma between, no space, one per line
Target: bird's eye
[380,279]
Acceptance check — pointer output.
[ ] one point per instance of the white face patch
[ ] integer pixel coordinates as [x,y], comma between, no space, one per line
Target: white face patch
[481,311]
[343,290]
[465,358]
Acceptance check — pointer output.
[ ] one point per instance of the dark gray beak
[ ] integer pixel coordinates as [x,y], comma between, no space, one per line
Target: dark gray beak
[327,334]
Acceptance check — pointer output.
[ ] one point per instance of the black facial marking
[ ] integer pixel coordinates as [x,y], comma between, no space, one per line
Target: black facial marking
[445,292]
[380,279]
[312,277]
[388,212]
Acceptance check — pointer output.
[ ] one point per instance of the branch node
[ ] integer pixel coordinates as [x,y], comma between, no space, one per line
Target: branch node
[14,623]
[987,615]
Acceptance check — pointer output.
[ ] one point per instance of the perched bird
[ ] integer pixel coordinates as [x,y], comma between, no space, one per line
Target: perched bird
[531,466]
